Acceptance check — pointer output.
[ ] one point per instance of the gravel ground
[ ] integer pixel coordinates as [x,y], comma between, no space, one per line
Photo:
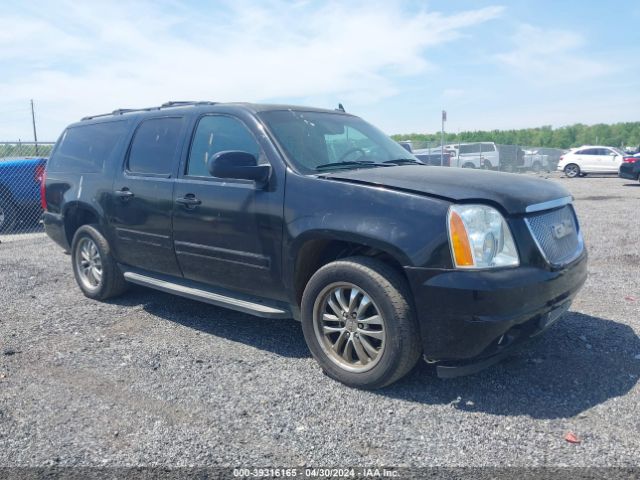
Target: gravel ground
[152,379]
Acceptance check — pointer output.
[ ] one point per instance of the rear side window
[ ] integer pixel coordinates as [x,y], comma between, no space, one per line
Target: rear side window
[87,148]
[471,148]
[154,146]
[589,151]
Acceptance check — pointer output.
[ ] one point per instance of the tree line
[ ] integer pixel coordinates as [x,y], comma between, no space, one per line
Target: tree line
[16,150]
[622,135]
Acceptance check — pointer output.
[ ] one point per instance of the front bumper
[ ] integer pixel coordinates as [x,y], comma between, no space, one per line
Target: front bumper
[476,314]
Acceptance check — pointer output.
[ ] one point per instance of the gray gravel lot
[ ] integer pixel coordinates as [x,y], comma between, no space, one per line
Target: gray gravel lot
[152,379]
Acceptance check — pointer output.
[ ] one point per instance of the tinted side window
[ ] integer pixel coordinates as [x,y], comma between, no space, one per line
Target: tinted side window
[86,148]
[590,151]
[489,147]
[217,133]
[471,148]
[154,145]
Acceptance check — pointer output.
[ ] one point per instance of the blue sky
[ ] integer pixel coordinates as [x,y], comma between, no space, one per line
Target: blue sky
[396,63]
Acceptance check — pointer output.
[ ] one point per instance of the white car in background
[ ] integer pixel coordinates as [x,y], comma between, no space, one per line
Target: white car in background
[591,159]
[474,155]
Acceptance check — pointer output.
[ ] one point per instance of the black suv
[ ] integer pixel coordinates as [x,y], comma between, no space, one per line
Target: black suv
[283,211]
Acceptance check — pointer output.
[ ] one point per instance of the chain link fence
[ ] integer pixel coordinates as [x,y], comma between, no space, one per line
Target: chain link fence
[488,155]
[22,166]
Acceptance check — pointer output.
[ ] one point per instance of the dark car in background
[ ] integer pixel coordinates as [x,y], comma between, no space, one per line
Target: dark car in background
[433,158]
[20,189]
[630,168]
[284,211]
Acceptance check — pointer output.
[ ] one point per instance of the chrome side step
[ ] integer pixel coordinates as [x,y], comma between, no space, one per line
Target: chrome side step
[220,298]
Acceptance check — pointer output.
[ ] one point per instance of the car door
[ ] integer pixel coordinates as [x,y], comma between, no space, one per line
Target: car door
[600,159]
[227,232]
[587,159]
[142,196]
[611,161]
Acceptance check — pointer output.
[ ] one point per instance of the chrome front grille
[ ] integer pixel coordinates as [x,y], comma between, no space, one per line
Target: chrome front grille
[557,234]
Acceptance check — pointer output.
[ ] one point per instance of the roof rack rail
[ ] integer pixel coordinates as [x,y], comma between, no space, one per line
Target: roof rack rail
[180,103]
[121,111]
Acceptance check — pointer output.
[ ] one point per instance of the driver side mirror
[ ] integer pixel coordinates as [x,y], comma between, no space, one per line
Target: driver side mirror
[238,165]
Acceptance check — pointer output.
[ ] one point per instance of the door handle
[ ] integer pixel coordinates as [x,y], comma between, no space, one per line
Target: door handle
[189,200]
[124,194]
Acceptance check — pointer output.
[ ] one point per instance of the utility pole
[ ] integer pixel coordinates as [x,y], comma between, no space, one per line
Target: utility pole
[33,120]
[444,119]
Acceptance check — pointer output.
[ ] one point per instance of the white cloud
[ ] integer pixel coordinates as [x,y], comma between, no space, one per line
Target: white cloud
[82,58]
[549,56]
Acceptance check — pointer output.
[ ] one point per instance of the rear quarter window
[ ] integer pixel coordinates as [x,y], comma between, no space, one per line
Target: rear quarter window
[87,148]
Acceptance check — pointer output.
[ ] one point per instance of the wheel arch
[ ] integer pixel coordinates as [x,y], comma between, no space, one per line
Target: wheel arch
[77,214]
[317,249]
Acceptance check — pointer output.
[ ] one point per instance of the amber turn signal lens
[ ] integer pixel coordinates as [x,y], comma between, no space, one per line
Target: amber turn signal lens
[460,241]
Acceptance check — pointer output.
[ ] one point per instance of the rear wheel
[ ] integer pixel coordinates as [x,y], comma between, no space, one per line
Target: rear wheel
[468,165]
[358,322]
[95,269]
[572,170]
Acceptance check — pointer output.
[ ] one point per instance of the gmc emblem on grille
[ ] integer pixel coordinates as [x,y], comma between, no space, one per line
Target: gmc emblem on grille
[562,229]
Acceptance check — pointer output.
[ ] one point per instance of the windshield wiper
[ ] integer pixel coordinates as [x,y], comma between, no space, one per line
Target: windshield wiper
[404,161]
[354,163]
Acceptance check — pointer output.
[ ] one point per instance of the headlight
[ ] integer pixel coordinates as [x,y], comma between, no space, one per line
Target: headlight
[480,238]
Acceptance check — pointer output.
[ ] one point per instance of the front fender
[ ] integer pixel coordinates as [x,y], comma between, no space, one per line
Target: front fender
[409,227]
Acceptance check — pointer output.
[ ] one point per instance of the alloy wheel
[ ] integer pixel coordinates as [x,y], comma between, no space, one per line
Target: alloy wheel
[572,171]
[89,263]
[349,327]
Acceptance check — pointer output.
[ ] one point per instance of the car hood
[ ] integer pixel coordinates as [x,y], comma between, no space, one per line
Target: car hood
[514,192]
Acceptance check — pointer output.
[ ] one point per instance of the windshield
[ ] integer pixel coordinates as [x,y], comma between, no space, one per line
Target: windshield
[321,141]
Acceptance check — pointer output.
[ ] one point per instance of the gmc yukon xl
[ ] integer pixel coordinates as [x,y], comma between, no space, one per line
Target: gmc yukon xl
[296,212]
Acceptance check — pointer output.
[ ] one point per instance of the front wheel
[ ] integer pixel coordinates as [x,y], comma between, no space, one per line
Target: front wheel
[572,170]
[359,324]
[95,269]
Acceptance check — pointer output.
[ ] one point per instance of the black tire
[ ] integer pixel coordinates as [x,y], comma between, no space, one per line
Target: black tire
[391,295]
[572,170]
[112,282]
[7,213]
[487,165]
[468,165]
